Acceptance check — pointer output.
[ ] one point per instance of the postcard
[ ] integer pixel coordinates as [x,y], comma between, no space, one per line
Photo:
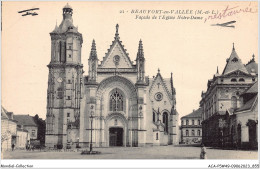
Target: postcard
[129,84]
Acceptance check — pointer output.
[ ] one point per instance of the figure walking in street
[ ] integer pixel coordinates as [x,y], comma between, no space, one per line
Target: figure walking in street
[13,147]
[203,153]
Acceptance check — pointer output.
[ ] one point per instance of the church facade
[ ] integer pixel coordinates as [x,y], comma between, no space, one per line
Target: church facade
[116,104]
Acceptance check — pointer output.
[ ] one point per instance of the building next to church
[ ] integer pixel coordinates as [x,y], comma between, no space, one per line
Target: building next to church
[241,125]
[11,132]
[117,101]
[191,130]
[229,110]
[8,130]
[27,122]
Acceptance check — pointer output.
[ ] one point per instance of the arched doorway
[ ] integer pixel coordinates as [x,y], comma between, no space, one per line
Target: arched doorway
[116,130]
[116,136]
[252,133]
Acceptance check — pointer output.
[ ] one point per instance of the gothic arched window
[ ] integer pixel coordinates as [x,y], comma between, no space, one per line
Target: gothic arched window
[234,102]
[165,121]
[116,101]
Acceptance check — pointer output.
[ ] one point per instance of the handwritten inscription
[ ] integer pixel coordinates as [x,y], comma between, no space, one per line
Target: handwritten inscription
[188,14]
[230,11]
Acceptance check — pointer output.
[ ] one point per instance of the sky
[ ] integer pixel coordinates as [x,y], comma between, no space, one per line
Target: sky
[189,48]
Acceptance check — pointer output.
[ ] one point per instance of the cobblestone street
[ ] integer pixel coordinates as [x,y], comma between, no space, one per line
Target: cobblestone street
[160,152]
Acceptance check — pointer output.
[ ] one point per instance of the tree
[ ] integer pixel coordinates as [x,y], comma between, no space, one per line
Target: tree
[41,128]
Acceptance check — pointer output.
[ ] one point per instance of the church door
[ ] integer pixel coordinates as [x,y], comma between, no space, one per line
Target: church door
[115,136]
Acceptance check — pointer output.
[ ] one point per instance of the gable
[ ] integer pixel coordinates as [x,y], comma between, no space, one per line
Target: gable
[116,55]
[234,63]
[237,73]
[158,87]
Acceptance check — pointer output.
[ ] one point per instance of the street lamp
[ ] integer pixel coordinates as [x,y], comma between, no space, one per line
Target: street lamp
[91,128]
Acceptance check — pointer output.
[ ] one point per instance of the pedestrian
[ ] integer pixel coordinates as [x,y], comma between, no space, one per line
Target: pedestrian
[13,147]
[235,145]
[203,153]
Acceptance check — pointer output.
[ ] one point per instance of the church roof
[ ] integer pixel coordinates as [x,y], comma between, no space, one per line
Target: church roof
[234,63]
[67,25]
[166,82]
[25,120]
[194,114]
[114,42]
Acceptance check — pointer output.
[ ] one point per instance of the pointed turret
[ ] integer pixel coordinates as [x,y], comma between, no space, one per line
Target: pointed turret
[252,66]
[234,63]
[93,52]
[140,62]
[217,73]
[172,88]
[56,29]
[93,63]
[140,53]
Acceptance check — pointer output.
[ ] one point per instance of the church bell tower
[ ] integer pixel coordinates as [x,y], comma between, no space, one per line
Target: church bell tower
[64,83]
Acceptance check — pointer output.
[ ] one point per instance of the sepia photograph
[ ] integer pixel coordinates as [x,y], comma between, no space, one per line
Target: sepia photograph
[113,82]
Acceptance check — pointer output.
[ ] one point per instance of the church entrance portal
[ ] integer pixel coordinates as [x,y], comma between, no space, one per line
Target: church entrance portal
[116,136]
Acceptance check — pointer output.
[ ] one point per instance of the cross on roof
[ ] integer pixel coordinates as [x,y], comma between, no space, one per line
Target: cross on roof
[158,85]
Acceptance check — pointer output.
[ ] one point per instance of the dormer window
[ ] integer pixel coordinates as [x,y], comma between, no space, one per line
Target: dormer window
[241,80]
[234,60]
[233,80]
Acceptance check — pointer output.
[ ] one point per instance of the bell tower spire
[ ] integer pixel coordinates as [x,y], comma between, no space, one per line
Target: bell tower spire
[67,11]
